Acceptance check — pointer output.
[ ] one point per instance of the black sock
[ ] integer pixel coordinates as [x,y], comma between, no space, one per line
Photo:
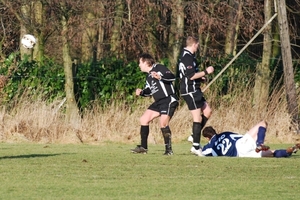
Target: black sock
[167,137]
[196,134]
[144,136]
[204,120]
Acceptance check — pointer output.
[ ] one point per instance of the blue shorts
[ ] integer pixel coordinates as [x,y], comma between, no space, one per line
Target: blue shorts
[194,100]
[165,106]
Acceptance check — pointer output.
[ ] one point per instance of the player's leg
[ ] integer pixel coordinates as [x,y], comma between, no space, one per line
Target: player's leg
[167,134]
[286,152]
[268,153]
[196,132]
[258,133]
[195,103]
[246,146]
[197,127]
[206,113]
[281,153]
[145,119]
[167,111]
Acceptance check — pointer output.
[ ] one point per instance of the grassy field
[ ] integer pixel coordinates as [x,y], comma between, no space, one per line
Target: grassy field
[110,171]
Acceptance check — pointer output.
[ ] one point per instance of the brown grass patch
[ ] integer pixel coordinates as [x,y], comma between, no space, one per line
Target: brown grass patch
[39,122]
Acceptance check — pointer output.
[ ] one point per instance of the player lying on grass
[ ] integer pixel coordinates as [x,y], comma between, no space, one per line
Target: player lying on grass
[236,145]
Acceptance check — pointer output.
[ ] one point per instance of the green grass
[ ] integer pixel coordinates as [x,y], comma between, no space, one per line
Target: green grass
[36,171]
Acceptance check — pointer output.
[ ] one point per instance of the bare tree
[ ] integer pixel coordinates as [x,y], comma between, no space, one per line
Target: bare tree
[234,15]
[33,19]
[100,30]
[23,14]
[262,79]
[89,38]
[176,33]
[117,27]
[68,14]
[289,80]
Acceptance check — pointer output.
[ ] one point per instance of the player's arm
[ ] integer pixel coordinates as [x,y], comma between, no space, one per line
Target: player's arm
[201,74]
[166,74]
[207,152]
[209,148]
[163,74]
[146,92]
[190,71]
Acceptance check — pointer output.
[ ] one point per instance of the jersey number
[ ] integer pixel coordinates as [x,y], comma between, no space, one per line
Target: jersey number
[224,146]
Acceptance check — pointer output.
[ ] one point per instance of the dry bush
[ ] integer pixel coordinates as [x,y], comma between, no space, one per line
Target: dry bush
[35,122]
[39,122]
[240,115]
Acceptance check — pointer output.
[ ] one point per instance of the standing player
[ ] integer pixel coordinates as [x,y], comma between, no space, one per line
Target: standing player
[190,80]
[249,145]
[159,85]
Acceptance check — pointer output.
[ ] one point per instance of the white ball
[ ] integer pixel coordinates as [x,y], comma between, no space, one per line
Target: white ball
[28,41]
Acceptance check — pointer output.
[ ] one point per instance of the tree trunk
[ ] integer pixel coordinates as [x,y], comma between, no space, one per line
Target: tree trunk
[117,28]
[31,19]
[150,30]
[234,14]
[25,10]
[205,43]
[289,81]
[230,30]
[177,30]
[100,32]
[276,42]
[38,50]
[89,39]
[262,79]
[72,112]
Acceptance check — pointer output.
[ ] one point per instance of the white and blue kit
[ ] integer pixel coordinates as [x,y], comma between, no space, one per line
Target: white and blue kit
[223,144]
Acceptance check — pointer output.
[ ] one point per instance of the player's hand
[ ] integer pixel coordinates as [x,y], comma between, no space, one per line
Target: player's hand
[204,79]
[138,92]
[210,69]
[155,75]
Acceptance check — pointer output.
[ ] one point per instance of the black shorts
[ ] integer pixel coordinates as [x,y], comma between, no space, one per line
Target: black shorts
[165,106]
[194,100]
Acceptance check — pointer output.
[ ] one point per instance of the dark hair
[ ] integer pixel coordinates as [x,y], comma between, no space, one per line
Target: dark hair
[209,132]
[145,57]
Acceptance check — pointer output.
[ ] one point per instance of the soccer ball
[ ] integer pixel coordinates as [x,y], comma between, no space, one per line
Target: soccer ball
[28,41]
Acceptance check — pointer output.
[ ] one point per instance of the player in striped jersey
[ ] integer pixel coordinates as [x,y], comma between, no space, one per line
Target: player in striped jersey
[158,85]
[236,145]
[190,80]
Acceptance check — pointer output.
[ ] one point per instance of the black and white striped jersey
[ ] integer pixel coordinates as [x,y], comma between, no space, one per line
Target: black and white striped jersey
[187,68]
[162,88]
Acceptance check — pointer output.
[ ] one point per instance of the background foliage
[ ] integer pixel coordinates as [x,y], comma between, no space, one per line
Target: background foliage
[106,81]
[113,80]
[115,32]
[104,39]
